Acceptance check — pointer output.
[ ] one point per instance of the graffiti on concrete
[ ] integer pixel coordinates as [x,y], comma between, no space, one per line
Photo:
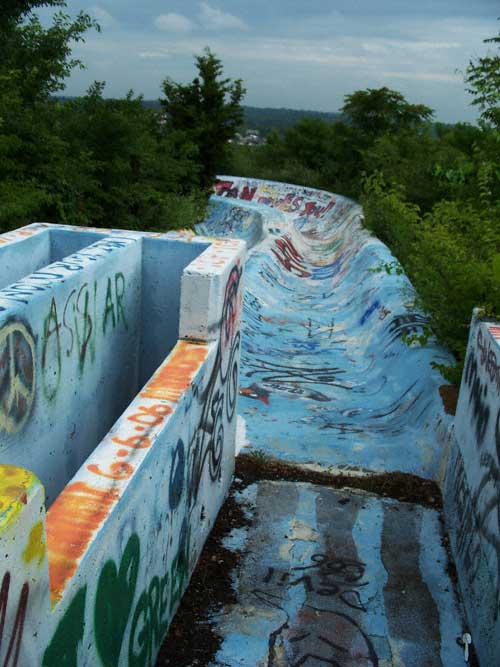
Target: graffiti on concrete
[43,280]
[36,547]
[289,257]
[17,375]
[70,331]
[478,399]
[344,330]
[63,647]
[318,634]
[219,396]
[473,486]
[156,605]
[120,545]
[12,644]
[113,602]
[328,576]
[291,202]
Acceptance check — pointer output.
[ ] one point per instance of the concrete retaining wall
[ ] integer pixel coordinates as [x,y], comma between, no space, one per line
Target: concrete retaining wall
[133,484]
[472,489]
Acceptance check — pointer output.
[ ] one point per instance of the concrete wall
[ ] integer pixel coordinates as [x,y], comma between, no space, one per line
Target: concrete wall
[472,489]
[134,484]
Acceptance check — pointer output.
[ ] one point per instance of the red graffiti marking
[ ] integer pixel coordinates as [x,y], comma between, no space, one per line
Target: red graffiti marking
[289,257]
[17,631]
[221,187]
[248,194]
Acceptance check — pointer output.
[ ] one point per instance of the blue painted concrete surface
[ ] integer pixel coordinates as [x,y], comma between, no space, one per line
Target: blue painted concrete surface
[100,336]
[336,577]
[472,488]
[326,375]
[120,425]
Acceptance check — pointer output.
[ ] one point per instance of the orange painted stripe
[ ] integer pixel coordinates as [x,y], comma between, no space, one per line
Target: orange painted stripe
[176,375]
[495,331]
[72,520]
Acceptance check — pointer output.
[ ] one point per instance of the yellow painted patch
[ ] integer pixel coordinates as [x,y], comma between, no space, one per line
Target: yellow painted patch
[15,484]
[36,547]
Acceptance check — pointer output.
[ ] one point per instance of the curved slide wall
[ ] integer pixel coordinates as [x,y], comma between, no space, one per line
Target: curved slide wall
[327,377]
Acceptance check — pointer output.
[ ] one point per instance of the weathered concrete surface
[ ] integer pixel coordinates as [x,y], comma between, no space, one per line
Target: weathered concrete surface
[472,489]
[338,578]
[326,376]
[121,397]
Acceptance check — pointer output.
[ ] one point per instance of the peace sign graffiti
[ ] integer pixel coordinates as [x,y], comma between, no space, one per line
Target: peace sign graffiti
[17,375]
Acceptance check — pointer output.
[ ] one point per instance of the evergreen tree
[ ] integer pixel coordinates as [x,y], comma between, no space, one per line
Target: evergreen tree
[208,110]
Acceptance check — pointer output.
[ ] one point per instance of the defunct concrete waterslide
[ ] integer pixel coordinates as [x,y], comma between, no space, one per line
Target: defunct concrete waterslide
[326,375]
[119,372]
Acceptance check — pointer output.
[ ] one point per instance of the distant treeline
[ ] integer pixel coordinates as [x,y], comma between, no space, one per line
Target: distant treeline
[264,119]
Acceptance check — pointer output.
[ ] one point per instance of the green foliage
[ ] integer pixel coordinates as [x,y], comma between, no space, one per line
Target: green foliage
[259,456]
[427,168]
[129,169]
[208,111]
[483,82]
[314,153]
[451,255]
[38,59]
[376,111]
[89,160]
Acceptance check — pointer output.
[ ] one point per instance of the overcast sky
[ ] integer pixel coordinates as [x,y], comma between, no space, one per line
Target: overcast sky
[301,54]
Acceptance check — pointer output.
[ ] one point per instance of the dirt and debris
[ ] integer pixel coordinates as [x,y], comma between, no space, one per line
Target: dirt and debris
[192,640]
[209,590]
[449,396]
[400,486]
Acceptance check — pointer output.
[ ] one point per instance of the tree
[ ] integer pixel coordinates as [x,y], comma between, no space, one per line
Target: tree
[35,59]
[208,110]
[483,80]
[33,64]
[376,111]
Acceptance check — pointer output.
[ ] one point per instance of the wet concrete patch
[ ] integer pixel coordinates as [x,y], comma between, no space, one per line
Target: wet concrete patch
[337,577]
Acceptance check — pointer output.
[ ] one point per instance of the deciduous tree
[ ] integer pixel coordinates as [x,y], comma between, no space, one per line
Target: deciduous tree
[483,82]
[376,111]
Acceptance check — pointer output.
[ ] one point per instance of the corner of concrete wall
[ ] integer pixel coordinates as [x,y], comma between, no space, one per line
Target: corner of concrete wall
[24,577]
[208,287]
[472,489]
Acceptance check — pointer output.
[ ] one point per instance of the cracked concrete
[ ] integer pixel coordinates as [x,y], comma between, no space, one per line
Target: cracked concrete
[337,577]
